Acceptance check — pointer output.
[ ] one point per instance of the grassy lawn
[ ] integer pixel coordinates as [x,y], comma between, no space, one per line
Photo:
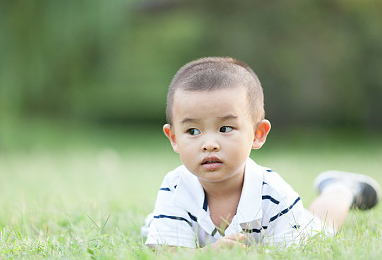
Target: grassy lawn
[83,192]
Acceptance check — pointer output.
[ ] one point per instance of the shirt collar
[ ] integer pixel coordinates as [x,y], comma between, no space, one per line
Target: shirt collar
[249,208]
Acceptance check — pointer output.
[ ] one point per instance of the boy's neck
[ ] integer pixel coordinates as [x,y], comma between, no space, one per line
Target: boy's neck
[227,188]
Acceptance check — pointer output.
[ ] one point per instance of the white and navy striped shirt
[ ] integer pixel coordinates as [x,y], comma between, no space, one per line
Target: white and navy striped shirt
[269,211]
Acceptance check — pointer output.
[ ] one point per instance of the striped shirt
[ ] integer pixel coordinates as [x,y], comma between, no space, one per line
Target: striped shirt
[269,211]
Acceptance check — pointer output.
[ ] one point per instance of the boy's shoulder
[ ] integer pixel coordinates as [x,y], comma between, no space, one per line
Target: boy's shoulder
[270,177]
[274,180]
[172,178]
[272,183]
[276,186]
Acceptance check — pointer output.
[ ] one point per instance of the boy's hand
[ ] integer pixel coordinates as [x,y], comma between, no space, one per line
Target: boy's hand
[229,241]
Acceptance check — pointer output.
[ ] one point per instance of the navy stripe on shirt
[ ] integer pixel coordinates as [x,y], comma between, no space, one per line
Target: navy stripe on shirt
[285,210]
[165,189]
[192,217]
[254,230]
[205,203]
[267,197]
[175,218]
[269,170]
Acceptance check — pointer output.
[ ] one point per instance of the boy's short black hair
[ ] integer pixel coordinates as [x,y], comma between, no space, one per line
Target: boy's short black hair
[213,73]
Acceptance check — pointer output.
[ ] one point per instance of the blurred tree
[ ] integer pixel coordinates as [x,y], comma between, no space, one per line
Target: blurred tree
[98,61]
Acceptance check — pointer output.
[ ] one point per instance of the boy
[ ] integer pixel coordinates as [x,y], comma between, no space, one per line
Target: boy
[219,196]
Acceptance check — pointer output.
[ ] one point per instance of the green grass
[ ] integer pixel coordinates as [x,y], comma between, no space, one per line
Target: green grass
[83,192]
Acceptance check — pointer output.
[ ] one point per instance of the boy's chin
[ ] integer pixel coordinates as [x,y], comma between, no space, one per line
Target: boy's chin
[213,177]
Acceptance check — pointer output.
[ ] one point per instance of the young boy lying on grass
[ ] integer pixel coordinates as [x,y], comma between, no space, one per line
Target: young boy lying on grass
[219,196]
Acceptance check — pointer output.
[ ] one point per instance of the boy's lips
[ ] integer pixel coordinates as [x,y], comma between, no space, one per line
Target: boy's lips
[211,163]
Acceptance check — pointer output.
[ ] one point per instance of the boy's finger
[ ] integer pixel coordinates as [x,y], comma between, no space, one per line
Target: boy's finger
[236,236]
[231,243]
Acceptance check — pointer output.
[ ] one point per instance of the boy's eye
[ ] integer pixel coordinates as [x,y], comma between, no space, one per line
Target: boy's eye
[193,131]
[226,129]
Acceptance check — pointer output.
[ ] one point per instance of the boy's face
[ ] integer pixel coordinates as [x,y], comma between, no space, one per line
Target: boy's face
[213,132]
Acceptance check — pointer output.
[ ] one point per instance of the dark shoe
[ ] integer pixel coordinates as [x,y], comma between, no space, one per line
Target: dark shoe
[366,191]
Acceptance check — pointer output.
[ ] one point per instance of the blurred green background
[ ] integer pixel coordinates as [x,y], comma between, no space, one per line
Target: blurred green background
[109,63]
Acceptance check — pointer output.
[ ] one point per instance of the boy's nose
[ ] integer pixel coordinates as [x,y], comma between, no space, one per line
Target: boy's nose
[210,146]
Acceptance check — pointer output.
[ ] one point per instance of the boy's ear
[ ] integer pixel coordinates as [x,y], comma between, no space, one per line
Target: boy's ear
[168,131]
[261,134]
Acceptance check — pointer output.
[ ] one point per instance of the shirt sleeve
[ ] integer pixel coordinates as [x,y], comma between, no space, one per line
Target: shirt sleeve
[286,225]
[170,225]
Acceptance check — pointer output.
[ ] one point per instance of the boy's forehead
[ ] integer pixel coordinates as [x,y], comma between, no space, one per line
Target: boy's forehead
[221,103]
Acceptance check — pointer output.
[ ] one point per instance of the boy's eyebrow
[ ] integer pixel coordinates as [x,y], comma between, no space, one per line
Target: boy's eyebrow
[230,116]
[188,120]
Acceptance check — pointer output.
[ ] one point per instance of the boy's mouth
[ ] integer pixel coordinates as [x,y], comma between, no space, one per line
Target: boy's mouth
[211,159]
[211,163]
